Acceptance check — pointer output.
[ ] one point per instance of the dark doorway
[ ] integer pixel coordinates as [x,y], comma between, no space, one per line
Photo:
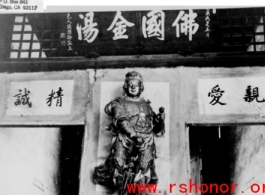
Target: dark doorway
[212,155]
[70,159]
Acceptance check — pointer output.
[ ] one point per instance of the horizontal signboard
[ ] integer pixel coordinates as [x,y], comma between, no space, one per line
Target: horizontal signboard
[92,34]
[221,96]
[40,98]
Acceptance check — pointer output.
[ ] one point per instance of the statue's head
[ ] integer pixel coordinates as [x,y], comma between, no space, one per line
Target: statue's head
[133,85]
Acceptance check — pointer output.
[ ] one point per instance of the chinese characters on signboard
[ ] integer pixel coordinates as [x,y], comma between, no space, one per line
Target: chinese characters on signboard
[207,22]
[87,31]
[231,96]
[58,97]
[24,99]
[52,98]
[187,25]
[216,94]
[69,32]
[251,95]
[152,25]
[119,26]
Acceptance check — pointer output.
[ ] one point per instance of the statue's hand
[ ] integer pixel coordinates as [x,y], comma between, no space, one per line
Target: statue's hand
[161,110]
[161,114]
[159,128]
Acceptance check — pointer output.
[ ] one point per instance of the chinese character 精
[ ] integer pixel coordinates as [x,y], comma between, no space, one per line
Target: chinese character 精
[58,97]
[120,26]
[251,95]
[216,94]
[89,30]
[188,24]
[23,99]
[154,26]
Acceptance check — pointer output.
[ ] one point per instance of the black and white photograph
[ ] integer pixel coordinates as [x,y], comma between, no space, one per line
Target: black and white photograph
[131,100]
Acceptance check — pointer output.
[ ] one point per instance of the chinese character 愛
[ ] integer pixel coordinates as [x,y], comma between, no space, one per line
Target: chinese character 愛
[23,99]
[120,26]
[216,94]
[58,97]
[154,26]
[188,24]
[89,30]
[251,95]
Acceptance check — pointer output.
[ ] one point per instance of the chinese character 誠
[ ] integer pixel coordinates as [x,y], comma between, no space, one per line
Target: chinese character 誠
[188,24]
[154,25]
[89,31]
[216,94]
[119,27]
[58,96]
[252,94]
[23,99]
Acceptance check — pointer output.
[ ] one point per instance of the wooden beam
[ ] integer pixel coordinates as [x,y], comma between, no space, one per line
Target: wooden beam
[145,61]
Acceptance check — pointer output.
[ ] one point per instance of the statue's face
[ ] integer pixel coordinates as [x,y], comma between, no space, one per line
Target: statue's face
[133,88]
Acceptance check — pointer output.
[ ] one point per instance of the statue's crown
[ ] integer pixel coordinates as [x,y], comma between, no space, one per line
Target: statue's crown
[134,75]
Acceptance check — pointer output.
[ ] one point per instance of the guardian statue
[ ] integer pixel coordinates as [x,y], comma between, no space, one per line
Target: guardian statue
[134,127]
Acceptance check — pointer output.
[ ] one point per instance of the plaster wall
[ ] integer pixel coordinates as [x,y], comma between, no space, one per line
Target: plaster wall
[29,161]
[250,163]
[75,86]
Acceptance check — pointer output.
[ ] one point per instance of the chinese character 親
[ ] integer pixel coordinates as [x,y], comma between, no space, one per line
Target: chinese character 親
[23,99]
[154,25]
[58,96]
[188,24]
[119,27]
[216,94]
[89,31]
[252,94]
